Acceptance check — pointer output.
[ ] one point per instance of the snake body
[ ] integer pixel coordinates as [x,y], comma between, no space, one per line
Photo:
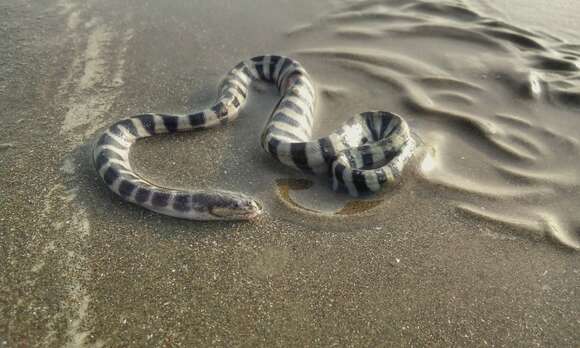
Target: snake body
[366,153]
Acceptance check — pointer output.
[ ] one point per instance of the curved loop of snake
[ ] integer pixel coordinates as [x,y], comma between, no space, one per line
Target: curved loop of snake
[366,153]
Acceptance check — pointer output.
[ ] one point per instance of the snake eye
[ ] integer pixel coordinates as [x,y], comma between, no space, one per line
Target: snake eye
[364,140]
[241,205]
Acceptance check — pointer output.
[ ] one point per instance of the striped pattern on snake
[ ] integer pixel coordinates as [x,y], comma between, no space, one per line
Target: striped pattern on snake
[366,153]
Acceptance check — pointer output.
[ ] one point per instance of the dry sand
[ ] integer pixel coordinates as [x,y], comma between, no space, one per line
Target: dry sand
[477,246]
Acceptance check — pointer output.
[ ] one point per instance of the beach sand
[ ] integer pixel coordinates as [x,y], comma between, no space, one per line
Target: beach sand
[477,246]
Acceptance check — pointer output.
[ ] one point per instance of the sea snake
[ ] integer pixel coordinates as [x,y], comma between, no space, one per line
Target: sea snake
[363,155]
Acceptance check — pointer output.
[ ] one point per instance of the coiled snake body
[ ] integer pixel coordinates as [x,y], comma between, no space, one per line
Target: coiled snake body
[363,155]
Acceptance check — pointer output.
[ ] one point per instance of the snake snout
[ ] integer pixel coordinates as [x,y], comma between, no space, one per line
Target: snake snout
[256,206]
[248,208]
[240,210]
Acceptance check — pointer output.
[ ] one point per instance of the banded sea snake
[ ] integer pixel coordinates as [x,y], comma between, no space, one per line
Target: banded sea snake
[363,155]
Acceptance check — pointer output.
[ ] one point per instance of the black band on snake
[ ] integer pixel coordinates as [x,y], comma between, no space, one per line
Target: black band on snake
[366,153]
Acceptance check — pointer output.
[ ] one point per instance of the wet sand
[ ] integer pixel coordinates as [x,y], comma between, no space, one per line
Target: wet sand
[476,246]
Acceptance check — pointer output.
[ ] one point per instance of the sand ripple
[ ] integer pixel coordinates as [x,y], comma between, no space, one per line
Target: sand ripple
[495,105]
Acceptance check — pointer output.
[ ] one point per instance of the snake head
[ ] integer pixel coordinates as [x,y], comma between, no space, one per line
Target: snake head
[233,206]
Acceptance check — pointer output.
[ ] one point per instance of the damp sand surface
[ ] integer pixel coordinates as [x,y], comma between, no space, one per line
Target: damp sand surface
[478,245]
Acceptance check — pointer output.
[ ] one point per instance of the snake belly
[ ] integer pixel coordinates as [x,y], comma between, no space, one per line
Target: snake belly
[363,155]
